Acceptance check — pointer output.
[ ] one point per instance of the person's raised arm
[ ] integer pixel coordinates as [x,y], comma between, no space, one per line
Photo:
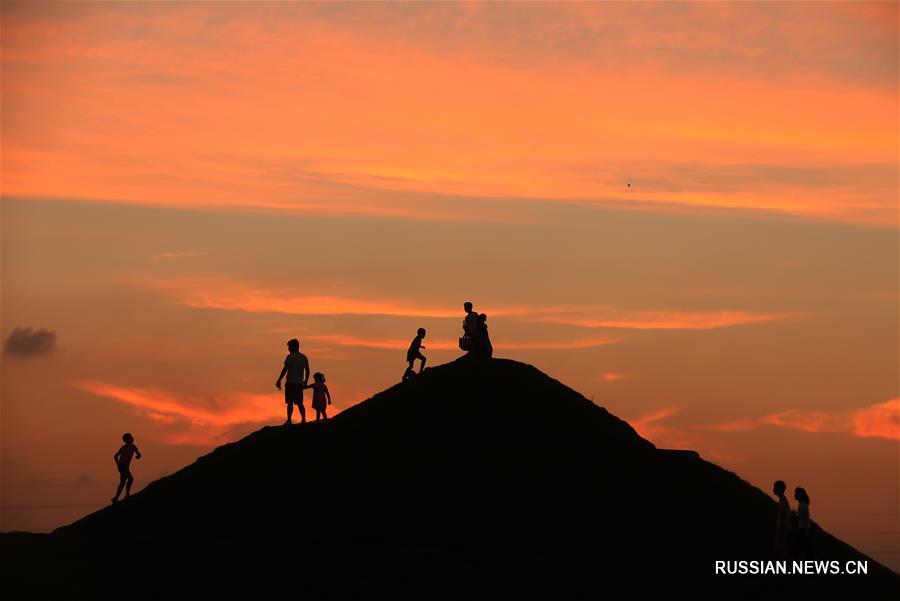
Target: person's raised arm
[280,376]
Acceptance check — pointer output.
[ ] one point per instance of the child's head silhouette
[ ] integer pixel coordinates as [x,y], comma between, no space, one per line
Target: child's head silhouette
[467,306]
[421,332]
[128,438]
[482,318]
[779,487]
[319,376]
[293,345]
[800,495]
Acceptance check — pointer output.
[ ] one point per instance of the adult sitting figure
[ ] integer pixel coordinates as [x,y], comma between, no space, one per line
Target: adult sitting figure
[483,346]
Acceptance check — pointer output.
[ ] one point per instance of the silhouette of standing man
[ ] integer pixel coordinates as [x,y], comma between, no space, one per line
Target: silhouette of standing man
[782,521]
[296,366]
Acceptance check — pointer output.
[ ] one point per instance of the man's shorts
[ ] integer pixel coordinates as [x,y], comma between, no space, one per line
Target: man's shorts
[413,355]
[293,392]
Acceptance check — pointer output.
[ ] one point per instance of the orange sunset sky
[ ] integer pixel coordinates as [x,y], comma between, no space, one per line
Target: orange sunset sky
[685,211]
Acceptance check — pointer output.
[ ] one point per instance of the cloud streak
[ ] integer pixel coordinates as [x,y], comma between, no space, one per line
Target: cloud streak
[612,376]
[185,254]
[666,319]
[394,344]
[354,118]
[881,420]
[202,421]
[650,426]
[222,294]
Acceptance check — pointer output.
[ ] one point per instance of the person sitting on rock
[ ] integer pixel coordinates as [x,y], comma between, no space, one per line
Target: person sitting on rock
[483,346]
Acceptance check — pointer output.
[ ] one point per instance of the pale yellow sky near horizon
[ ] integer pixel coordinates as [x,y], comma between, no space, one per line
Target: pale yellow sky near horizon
[185,187]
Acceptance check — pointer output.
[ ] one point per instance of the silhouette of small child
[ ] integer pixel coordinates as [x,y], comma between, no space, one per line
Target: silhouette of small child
[123,461]
[782,521]
[320,395]
[415,352]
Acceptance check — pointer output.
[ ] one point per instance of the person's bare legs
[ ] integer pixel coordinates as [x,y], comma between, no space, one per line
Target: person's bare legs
[128,483]
[421,365]
[302,413]
[115,499]
[290,412]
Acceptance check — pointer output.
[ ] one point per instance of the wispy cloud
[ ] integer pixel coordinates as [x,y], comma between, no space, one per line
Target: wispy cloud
[167,256]
[613,376]
[881,420]
[664,319]
[650,426]
[386,100]
[212,293]
[203,421]
[393,344]
[655,426]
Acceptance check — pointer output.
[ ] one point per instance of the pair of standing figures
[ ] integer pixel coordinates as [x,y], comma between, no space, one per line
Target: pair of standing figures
[475,340]
[296,368]
[792,528]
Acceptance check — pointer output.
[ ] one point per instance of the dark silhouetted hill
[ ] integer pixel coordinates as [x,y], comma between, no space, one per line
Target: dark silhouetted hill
[475,479]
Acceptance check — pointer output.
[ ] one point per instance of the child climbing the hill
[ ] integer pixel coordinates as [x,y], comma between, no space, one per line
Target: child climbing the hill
[320,395]
[123,462]
[415,352]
